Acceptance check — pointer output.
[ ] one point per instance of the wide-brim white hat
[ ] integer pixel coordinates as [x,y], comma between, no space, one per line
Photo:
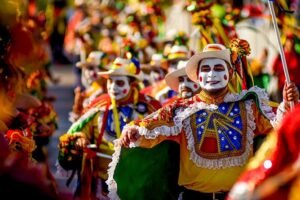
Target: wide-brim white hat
[209,51]
[122,67]
[172,77]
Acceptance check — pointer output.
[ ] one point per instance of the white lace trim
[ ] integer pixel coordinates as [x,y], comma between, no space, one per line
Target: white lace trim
[112,185]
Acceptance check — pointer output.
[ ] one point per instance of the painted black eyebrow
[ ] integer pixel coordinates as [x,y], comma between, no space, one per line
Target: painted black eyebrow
[205,66]
[217,65]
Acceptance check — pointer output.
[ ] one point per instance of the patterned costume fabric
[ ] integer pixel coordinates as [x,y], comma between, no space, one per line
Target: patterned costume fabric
[215,139]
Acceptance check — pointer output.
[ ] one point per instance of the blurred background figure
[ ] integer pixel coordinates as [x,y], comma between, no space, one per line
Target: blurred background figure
[293,63]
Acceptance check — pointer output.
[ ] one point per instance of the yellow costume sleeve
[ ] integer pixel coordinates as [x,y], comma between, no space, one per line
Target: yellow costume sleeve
[263,125]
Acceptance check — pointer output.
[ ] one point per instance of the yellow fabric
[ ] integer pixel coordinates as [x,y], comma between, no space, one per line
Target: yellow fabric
[263,125]
[116,117]
[273,104]
[264,151]
[91,90]
[294,192]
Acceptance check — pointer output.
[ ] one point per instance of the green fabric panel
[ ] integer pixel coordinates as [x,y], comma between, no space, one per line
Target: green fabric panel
[149,173]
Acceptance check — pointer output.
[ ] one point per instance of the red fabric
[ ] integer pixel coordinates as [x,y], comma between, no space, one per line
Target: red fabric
[210,145]
[293,63]
[171,100]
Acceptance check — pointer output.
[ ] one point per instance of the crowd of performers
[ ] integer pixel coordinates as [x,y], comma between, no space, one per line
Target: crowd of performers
[172,100]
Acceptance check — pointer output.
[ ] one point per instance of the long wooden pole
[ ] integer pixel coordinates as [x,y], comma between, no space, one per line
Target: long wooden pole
[285,67]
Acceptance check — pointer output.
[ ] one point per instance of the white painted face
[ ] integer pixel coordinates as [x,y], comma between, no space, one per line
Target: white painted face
[213,74]
[118,87]
[90,74]
[187,88]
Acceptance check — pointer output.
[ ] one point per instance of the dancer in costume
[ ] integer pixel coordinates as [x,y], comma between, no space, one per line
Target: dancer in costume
[180,83]
[214,130]
[177,53]
[102,123]
[94,85]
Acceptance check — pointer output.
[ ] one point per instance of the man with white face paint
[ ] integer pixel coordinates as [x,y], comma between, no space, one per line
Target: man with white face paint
[104,119]
[214,129]
[180,82]
[93,83]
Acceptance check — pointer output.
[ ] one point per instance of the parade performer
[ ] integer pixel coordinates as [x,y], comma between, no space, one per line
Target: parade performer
[102,123]
[214,130]
[94,85]
[177,53]
[293,62]
[180,83]
[275,171]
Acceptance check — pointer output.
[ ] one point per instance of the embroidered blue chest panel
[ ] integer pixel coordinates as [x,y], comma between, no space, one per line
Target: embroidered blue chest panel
[227,125]
[125,115]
